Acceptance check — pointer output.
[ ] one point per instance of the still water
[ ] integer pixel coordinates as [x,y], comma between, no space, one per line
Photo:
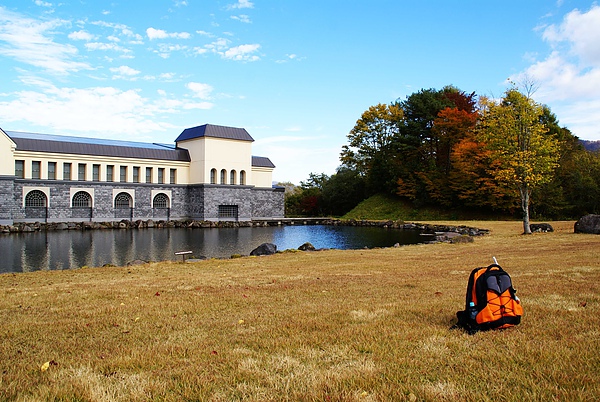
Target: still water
[26,252]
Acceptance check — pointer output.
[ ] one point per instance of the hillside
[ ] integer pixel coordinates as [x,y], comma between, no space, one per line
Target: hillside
[591,145]
[383,206]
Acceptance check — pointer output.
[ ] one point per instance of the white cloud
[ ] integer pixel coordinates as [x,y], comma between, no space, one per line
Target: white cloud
[42,3]
[241,4]
[241,18]
[108,111]
[242,52]
[200,90]
[569,76]
[124,72]
[106,46]
[153,33]
[81,35]
[30,41]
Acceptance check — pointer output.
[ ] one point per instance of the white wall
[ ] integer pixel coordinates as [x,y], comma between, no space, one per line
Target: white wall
[7,160]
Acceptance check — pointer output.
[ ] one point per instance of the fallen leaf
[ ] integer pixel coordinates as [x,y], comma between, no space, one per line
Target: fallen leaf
[240,322]
[157,294]
[45,366]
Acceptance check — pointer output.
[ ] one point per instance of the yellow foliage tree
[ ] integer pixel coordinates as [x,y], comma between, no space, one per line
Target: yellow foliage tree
[514,133]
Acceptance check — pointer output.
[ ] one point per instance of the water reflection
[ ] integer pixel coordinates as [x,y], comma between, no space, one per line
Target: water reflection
[26,252]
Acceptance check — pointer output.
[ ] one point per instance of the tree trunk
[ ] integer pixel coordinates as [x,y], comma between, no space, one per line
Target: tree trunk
[524,190]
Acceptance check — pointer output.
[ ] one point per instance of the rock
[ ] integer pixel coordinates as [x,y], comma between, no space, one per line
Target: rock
[446,236]
[541,227]
[27,228]
[307,247]
[264,249]
[462,239]
[588,224]
[150,223]
[62,226]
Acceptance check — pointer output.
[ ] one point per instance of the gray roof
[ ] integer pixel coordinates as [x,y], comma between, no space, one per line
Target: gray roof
[210,130]
[94,146]
[262,161]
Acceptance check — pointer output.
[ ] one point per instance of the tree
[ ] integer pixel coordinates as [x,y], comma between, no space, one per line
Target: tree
[343,191]
[435,121]
[370,151]
[515,134]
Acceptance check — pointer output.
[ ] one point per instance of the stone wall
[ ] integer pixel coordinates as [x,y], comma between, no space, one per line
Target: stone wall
[197,202]
[268,203]
[6,199]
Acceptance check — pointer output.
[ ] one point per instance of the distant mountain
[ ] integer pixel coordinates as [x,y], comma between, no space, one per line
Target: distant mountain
[591,145]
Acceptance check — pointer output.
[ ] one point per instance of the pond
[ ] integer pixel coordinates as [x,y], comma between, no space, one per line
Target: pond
[55,250]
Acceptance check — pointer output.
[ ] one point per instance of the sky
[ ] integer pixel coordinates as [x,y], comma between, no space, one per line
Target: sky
[296,74]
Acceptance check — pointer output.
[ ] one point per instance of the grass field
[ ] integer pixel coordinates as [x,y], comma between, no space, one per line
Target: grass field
[364,325]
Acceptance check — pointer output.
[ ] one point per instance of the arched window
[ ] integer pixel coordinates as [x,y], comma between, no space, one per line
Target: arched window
[35,198]
[223,176]
[122,200]
[161,200]
[82,199]
[242,177]
[213,176]
[232,177]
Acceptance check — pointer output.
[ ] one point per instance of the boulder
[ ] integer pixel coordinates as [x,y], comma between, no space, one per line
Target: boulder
[62,226]
[264,249]
[462,239]
[307,247]
[541,227]
[588,224]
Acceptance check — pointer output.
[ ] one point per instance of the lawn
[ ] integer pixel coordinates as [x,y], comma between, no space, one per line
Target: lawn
[362,325]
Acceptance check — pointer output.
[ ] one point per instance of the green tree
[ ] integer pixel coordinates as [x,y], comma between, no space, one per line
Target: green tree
[343,191]
[370,150]
[527,156]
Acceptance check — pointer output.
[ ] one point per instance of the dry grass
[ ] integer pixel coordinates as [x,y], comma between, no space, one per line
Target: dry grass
[365,325]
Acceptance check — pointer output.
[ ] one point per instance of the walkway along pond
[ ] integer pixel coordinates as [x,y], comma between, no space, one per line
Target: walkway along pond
[39,246]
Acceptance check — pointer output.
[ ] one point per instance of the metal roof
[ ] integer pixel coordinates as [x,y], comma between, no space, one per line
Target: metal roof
[95,146]
[210,130]
[262,161]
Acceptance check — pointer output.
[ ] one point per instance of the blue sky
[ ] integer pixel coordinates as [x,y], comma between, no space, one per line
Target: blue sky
[296,74]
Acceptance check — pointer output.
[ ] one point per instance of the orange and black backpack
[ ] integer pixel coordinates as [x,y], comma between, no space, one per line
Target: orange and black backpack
[491,302]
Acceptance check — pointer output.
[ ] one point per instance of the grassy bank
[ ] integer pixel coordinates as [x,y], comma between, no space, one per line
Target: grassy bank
[386,207]
[364,325]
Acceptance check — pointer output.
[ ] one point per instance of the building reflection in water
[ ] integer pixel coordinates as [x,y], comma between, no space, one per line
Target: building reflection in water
[25,252]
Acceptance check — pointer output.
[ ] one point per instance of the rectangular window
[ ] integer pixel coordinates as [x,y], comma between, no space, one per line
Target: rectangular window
[173,176]
[35,169]
[96,172]
[110,172]
[51,170]
[161,175]
[81,172]
[20,169]
[148,175]
[123,174]
[136,174]
[228,211]
[67,171]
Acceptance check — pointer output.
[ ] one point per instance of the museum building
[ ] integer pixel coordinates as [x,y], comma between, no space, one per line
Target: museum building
[208,174]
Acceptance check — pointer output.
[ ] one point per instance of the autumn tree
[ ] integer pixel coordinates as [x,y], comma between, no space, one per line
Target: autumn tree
[513,131]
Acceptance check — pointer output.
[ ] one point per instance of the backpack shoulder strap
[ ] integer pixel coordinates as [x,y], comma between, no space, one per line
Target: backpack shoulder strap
[471,286]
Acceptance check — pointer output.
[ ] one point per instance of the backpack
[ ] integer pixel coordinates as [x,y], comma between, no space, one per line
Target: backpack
[491,302]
